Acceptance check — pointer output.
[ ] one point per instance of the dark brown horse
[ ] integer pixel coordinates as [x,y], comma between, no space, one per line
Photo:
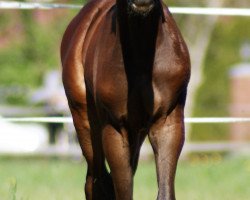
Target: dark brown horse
[125,73]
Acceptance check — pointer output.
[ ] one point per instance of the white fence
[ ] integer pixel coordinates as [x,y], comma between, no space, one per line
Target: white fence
[188,120]
[73,150]
[175,10]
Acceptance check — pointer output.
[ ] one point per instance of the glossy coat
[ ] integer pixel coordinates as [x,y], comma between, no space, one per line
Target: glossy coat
[125,72]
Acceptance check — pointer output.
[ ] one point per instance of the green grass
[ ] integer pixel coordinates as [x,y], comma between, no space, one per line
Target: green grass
[200,178]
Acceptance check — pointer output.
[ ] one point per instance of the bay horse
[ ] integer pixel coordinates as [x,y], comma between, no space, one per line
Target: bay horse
[126,69]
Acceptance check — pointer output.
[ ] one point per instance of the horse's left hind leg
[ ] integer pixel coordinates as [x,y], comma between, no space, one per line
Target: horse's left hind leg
[167,138]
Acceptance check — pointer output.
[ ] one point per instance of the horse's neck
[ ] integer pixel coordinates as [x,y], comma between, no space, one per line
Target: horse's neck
[138,39]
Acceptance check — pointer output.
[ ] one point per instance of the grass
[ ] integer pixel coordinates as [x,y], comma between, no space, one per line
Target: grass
[203,178]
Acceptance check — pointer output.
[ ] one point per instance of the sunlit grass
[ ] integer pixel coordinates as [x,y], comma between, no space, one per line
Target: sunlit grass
[206,179]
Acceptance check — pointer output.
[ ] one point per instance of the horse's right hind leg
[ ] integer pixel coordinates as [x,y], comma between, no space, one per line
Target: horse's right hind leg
[81,124]
[98,181]
[98,185]
[102,183]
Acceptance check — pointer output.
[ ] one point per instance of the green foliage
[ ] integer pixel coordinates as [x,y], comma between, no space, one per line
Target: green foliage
[4,20]
[213,96]
[25,60]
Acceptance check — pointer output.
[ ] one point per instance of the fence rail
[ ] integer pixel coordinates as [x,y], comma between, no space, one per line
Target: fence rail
[175,10]
[35,5]
[189,120]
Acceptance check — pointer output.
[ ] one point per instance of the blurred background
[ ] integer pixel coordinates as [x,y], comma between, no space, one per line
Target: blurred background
[43,160]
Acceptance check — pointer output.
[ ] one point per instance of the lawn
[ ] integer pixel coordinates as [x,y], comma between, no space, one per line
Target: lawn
[206,178]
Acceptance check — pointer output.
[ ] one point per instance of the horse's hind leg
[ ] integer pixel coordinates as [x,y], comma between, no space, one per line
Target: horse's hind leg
[167,138]
[97,178]
[117,152]
[83,133]
[102,181]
